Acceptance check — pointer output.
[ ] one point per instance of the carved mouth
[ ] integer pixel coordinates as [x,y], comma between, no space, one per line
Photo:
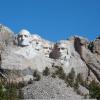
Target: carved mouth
[24,43]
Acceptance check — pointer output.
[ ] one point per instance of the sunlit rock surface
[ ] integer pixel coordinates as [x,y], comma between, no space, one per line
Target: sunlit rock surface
[22,53]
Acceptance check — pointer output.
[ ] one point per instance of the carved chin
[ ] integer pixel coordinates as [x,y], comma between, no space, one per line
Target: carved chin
[24,43]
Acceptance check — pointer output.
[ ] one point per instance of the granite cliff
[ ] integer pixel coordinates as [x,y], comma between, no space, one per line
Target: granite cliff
[19,60]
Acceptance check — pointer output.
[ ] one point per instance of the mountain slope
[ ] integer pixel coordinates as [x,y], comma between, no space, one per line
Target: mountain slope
[19,63]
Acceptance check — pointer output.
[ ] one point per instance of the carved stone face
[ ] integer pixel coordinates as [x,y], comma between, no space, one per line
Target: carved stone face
[23,38]
[38,46]
[47,49]
[63,50]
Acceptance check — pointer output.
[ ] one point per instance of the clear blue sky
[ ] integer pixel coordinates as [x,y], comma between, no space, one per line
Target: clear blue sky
[52,19]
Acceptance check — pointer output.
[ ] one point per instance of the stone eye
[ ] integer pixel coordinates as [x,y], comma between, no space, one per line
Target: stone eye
[20,36]
[62,48]
[25,36]
[58,48]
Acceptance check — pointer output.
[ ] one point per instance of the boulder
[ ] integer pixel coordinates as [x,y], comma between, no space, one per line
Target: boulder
[83,91]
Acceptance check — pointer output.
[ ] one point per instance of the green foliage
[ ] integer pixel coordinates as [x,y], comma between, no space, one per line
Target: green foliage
[79,78]
[94,90]
[76,84]
[53,75]
[74,81]
[17,85]
[20,94]
[8,92]
[36,75]
[46,72]
[71,77]
[30,81]
[60,73]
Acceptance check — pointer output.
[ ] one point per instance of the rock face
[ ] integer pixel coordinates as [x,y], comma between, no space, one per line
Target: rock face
[23,38]
[82,90]
[6,37]
[18,60]
[36,54]
[6,34]
[96,46]
[49,88]
[92,62]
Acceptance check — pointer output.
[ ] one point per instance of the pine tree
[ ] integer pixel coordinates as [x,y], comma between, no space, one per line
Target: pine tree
[46,72]
[71,77]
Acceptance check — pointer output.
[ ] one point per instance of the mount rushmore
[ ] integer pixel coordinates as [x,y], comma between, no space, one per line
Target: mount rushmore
[22,53]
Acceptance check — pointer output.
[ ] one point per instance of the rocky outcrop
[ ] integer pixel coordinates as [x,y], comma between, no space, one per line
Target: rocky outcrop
[82,47]
[6,35]
[49,88]
[36,55]
[20,58]
[96,46]
[91,61]
[18,62]
[83,90]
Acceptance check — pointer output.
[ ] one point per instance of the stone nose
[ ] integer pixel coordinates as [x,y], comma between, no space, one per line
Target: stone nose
[61,50]
[23,37]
